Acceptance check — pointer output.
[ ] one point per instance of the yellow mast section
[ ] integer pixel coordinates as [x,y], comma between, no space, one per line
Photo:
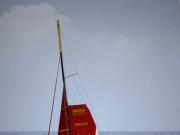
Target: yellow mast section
[59,36]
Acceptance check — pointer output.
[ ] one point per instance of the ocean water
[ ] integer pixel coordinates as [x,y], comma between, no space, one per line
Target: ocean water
[100,133]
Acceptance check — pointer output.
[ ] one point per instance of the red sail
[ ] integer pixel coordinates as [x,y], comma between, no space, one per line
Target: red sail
[63,124]
[80,120]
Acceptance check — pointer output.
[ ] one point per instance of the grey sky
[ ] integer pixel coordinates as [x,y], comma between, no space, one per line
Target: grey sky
[127,53]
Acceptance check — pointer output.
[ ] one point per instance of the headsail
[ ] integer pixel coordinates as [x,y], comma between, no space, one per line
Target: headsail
[81,119]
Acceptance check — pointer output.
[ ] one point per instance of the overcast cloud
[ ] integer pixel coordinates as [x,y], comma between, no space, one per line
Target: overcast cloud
[132,80]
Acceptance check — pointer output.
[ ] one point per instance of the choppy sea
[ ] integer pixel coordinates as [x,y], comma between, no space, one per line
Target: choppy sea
[100,133]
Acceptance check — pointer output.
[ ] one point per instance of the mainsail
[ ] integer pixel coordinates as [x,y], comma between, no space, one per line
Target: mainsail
[74,119]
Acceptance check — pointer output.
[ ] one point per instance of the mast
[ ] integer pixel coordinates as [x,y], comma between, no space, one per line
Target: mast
[63,78]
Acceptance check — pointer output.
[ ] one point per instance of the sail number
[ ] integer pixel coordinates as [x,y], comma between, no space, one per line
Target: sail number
[78,124]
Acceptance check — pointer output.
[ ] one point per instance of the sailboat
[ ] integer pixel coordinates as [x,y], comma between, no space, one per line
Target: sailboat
[74,119]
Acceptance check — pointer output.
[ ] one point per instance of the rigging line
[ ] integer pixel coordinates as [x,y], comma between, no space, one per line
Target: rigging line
[71,75]
[52,106]
[69,71]
[73,66]
[69,51]
[89,101]
[71,96]
[73,80]
[69,68]
[80,92]
[70,78]
[80,79]
[74,63]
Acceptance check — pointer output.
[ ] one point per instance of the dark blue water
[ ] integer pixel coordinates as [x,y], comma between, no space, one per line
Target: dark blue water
[100,133]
